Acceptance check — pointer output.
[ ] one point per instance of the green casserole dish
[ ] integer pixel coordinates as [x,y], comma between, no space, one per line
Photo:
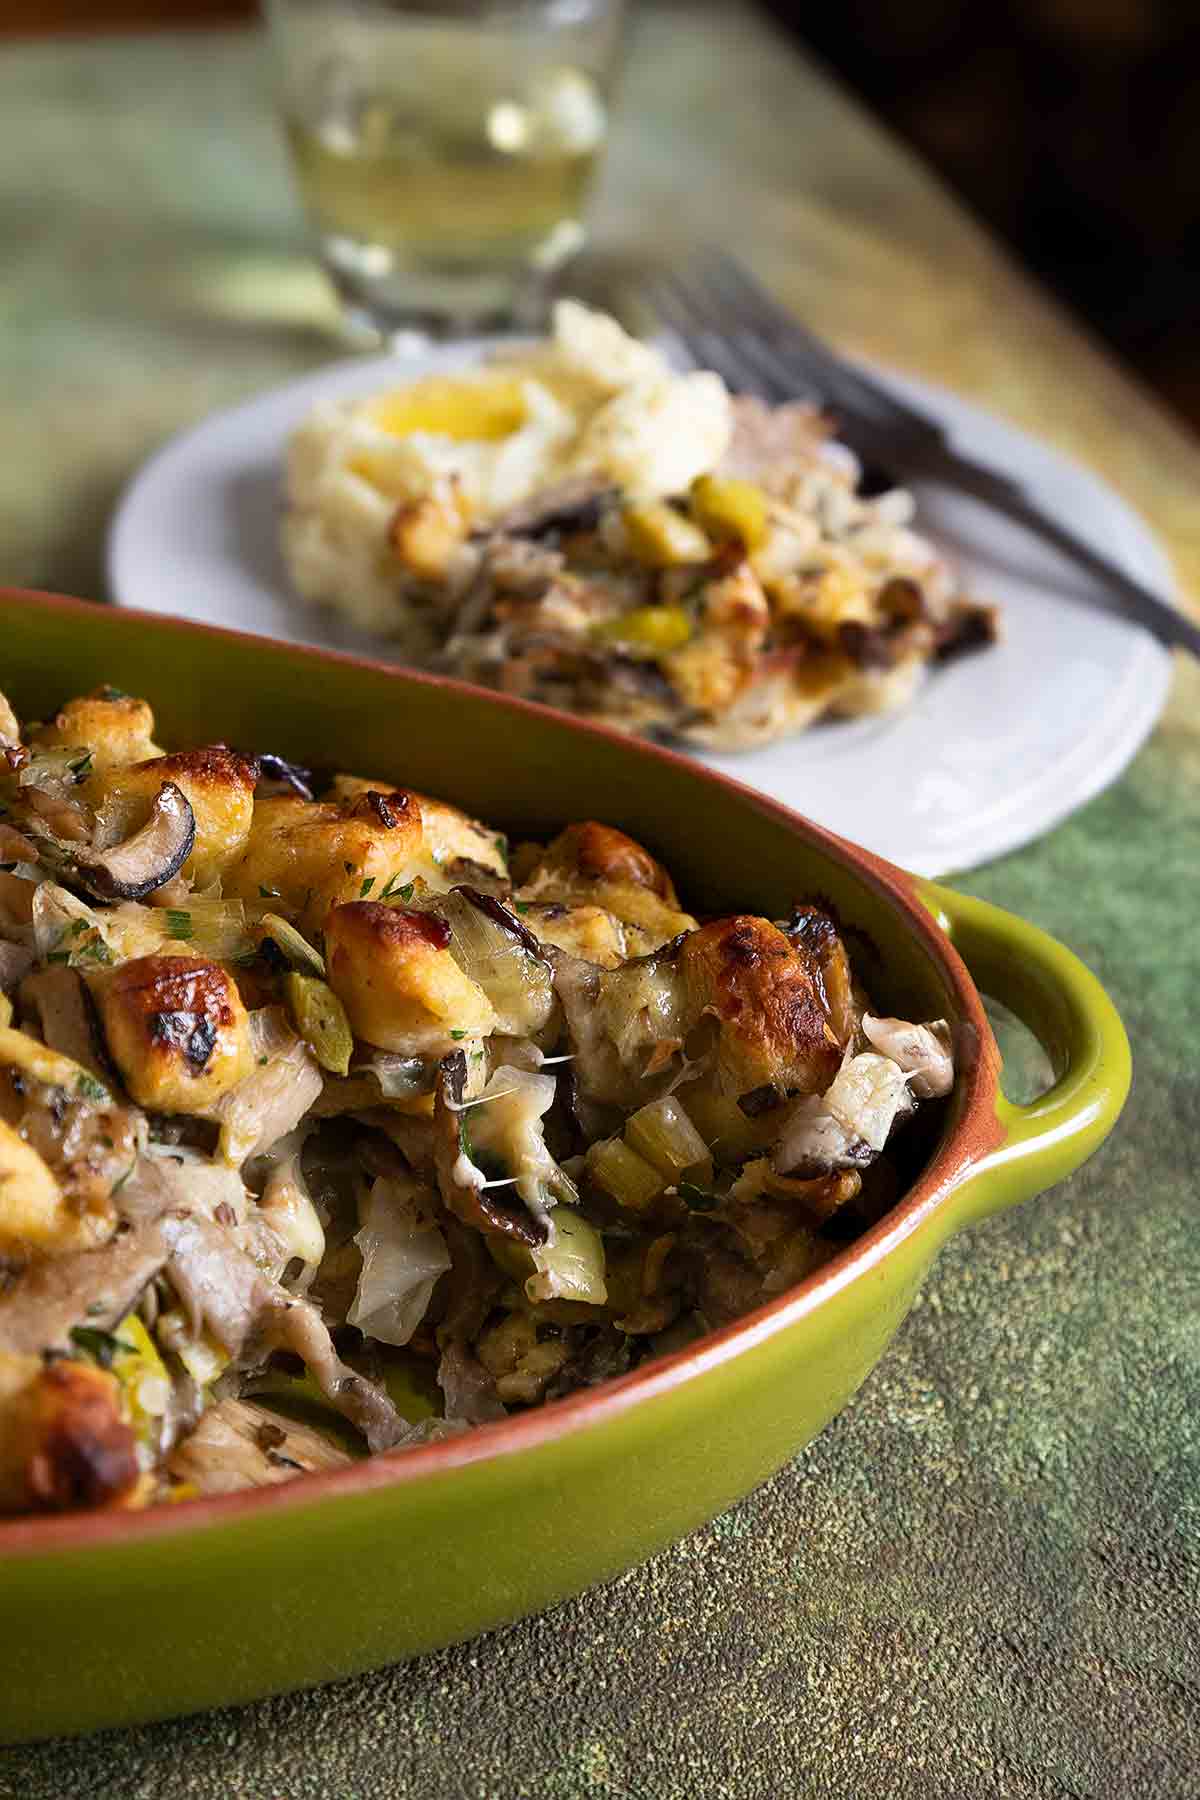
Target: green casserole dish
[117,1617]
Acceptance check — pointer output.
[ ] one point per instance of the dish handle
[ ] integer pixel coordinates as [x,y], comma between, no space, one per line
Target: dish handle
[1059,999]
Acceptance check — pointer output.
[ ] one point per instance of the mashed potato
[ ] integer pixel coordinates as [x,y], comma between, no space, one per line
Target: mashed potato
[443,456]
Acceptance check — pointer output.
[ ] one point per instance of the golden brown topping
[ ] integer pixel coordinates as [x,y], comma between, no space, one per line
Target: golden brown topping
[774,1025]
[177,1030]
[305,857]
[218,785]
[115,727]
[398,982]
[63,1442]
[594,852]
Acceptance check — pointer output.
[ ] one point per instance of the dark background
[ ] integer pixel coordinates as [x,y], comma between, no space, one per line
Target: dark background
[1072,127]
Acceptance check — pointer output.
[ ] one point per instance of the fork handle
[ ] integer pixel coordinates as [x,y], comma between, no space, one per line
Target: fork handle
[1130,597]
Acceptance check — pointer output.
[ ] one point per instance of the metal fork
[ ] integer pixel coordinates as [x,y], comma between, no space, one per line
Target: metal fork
[721,319]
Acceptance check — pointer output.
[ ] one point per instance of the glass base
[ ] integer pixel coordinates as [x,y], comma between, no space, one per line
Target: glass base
[386,300]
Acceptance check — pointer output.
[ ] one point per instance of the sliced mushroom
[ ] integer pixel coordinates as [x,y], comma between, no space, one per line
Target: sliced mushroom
[67,1017]
[279,776]
[147,860]
[85,1287]
[15,963]
[461,1182]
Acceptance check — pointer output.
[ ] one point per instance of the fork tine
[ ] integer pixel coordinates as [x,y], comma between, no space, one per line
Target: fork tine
[791,348]
[794,345]
[698,302]
[677,307]
[716,338]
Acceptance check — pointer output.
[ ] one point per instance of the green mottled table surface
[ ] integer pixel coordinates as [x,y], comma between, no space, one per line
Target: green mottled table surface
[983,1579]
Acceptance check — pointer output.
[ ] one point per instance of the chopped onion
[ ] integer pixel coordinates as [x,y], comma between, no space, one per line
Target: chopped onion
[848,1125]
[505,1126]
[403,1254]
[922,1051]
[399,1077]
[518,983]
[273,1100]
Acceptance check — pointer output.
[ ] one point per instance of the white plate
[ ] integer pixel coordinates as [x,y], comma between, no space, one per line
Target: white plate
[997,748]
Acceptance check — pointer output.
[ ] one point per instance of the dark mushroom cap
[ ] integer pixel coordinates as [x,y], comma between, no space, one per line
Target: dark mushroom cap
[147,860]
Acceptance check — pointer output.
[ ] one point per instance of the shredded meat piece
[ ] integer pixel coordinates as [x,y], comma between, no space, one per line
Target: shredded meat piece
[226,1293]
[96,1287]
[237,1445]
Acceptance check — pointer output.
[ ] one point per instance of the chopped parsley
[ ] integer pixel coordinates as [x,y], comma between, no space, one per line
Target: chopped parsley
[458,1034]
[90,1088]
[521,906]
[101,1346]
[697,1198]
[268,893]
[96,950]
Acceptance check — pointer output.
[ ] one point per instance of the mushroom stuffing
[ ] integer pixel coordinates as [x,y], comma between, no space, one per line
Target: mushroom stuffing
[328,1126]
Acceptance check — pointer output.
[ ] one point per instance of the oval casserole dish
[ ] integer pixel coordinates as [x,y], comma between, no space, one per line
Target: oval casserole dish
[113,1618]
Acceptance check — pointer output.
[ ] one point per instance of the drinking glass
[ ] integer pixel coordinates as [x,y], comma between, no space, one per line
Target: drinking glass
[444,148]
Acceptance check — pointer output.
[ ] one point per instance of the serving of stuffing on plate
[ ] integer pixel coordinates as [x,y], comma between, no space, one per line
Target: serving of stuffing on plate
[580,524]
[328,1125]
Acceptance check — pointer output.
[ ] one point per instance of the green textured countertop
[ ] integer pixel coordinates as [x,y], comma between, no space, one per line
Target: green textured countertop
[983,1578]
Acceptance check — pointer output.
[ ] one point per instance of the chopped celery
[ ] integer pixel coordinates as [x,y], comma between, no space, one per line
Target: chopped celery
[145,1384]
[663,1134]
[296,948]
[660,537]
[655,629]
[728,508]
[320,1018]
[629,1178]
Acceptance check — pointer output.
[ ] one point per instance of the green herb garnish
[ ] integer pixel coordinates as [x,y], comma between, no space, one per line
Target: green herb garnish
[101,1346]
[268,893]
[697,1198]
[96,951]
[366,887]
[179,924]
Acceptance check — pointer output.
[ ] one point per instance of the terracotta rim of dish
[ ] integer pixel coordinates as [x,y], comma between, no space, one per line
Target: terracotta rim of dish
[977,1131]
